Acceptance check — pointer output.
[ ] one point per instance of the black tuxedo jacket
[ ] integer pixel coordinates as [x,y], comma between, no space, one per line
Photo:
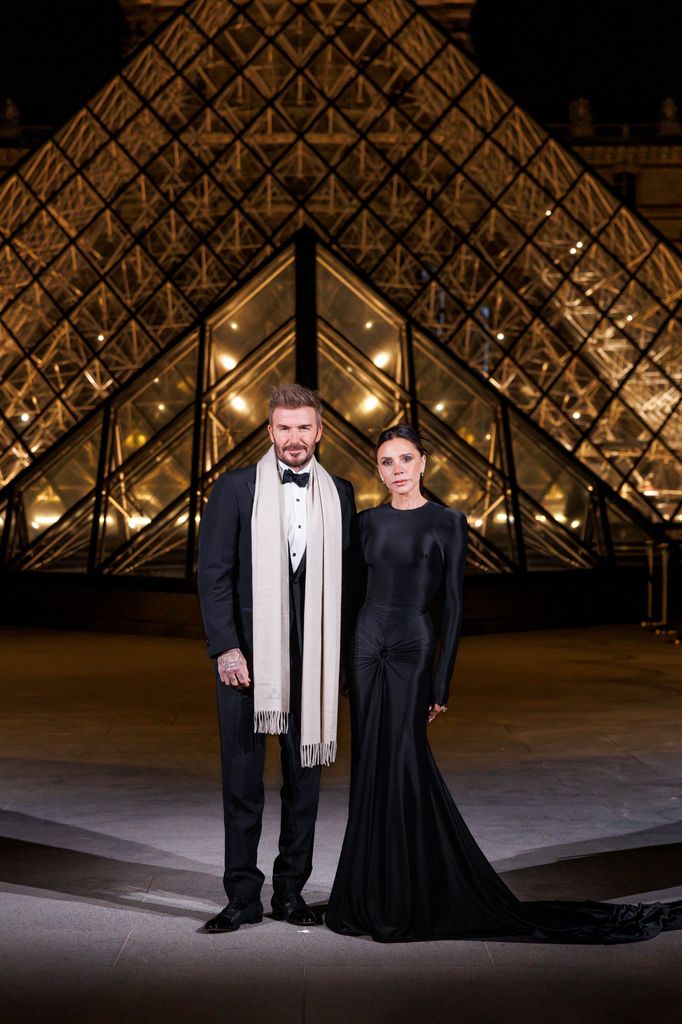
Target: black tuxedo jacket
[224,570]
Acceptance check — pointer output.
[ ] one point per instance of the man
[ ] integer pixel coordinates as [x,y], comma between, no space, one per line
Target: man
[273,540]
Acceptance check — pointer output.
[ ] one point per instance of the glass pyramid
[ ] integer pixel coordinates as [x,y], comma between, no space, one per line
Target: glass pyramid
[237,125]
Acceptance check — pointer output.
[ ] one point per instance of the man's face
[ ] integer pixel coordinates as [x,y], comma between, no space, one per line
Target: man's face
[295,433]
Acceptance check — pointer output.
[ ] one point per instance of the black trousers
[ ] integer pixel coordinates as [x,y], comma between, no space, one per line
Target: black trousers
[243,757]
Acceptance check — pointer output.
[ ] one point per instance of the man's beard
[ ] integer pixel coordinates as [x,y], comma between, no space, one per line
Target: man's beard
[295,459]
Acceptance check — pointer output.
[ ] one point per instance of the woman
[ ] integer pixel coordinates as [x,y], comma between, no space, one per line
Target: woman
[409,867]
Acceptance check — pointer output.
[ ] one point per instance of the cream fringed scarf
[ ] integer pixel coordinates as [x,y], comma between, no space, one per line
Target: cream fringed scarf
[322,620]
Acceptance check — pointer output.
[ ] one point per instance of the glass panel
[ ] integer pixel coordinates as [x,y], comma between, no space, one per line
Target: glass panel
[628,540]
[357,396]
[141,491]
[672,431]
[357,314]
[548,417]
[159,550]
[561,495]
[463,482]
[610,353]
[621,437]
[580,394]
[237,405]
[549,546]
[541,354]
[476,348]
[651,394]
[450,397]
[162,395]
[658,476]
[46,496]
[514,383]
[503,315]
[65,547]
[251,316]
[344,456]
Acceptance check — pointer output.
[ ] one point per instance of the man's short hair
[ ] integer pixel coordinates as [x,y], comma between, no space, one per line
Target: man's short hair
[294,396]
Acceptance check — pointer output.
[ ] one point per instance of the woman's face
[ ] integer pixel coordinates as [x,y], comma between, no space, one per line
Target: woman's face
[400,465]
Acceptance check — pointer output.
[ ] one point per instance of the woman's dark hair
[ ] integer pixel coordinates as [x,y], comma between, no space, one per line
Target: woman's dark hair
[403,431]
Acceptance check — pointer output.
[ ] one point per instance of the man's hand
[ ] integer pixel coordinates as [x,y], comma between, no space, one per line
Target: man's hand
[233,670]
[434,711]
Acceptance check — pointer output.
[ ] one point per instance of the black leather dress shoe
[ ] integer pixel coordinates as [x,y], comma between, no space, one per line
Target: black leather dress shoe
[238,911]
[293,909]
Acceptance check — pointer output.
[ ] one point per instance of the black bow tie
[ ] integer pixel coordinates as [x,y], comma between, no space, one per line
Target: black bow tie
[289,477]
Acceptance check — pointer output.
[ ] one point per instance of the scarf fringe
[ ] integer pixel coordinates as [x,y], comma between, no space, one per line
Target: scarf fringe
[271,722]
[318,753]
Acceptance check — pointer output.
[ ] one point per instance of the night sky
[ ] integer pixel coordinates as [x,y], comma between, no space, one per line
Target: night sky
[623,54]
[54,54]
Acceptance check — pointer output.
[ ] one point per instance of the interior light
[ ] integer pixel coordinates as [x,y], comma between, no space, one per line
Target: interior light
[161,407]
[560,517]
[650,492]
[380,359]
[629,317]
[238,403]
[500,336]
[439,407]
[540,518]
[576,415]
[228,362]
[100,337]
[573,250]
[156,380]
[487,437]
[137,521]
[234,325]
[478,523]
[575,523]
[370,403]
[578,245]
[369,324]
[24,417]
[500,517]
[548,213]
[44,521]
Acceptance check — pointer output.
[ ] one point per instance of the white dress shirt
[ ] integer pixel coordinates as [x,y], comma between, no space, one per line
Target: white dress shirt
[296,515]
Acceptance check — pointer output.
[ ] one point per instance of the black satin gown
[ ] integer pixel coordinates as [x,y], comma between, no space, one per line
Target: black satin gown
[409,867]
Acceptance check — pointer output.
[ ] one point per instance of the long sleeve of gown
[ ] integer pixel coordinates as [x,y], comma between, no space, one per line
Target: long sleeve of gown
[451,533]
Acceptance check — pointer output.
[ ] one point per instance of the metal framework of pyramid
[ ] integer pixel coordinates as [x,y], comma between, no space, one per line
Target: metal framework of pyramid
[237,125]
[122,492]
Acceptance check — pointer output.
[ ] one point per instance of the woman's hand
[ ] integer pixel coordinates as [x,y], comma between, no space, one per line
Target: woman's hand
[435,710]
